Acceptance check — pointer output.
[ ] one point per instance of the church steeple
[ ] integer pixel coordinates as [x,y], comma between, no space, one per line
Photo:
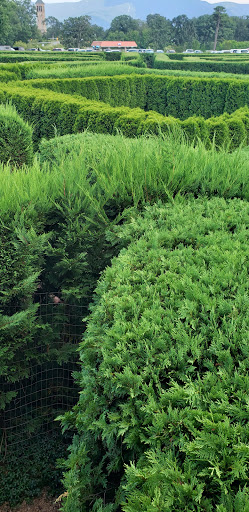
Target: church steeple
[40,13]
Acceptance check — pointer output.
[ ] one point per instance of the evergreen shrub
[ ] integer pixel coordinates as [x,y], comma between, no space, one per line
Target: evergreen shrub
[70,113]
[175,56]
[162,417]
[112,56]
[7,76]
[137,63]
[149,59]
[237,131]
[217,67]
[180,97]
[218,131]
[16,144]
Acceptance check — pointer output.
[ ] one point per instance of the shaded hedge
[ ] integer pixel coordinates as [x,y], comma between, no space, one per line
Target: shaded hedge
[16,144]
[162,418]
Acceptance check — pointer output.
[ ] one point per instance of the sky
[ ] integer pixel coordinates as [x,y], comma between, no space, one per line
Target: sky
[235,1]
[209,1]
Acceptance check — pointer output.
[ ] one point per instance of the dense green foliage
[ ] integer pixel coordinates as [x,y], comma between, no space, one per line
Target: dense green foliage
[17,21]
[30,467]
[7,76]
[147,449]
[16,144]
[180,97]
[162,417]
[6,57]
[217,67]
[50,111]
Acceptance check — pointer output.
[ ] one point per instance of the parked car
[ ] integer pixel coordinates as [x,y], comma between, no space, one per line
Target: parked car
[198,51]
[6,48]
[189,51]
[58,50]
[240,50]
[159,51]
[170,51]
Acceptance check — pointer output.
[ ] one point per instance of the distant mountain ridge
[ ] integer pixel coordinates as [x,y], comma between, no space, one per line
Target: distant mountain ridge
[103,11]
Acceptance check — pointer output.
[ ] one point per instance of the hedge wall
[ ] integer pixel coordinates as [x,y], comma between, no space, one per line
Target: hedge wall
[7,76]
[162,417]
[174,96]
[241,68]
[16,138]
[50,111]
[48,57]
[53,238]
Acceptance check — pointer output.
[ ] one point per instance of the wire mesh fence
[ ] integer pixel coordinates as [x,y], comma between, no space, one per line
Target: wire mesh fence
[49,388]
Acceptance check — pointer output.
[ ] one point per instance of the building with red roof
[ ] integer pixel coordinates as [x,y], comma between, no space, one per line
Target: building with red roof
[114,45]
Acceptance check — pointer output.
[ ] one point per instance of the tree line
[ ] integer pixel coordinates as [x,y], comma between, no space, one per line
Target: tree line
[18,23]
[203,32]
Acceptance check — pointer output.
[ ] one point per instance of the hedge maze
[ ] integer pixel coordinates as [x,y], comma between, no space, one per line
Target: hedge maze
[124,239]
[200,107]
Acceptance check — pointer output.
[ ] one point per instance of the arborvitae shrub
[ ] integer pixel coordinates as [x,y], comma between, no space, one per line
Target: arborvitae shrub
[218,131]
[111,56]
[175,56]
[149,59]
[162,418]
[137,63]
[129,123]
[7,76]
[237,131]
[16,144]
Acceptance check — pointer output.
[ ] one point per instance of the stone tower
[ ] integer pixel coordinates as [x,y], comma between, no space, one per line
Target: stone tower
[40,12]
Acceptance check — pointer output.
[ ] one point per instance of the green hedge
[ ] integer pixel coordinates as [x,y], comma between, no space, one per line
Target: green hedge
[53,237]
[241,68]
[16,144]
[48,57]
[162,417]
[7,76]
[174,96]
[51,111]
[175,56]
[112,56]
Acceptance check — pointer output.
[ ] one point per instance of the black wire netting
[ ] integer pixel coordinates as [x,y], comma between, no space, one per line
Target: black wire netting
[49,389]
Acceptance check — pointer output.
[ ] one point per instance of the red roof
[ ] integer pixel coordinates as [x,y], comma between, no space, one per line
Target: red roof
[115,44]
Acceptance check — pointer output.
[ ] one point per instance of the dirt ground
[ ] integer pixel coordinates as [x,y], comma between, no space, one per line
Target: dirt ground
[41,504]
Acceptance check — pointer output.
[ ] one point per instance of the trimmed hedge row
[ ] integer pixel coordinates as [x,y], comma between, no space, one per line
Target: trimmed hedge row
[50,111]
[180,97]
[241,68]
[16,146]
[7,76]
[53,56]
